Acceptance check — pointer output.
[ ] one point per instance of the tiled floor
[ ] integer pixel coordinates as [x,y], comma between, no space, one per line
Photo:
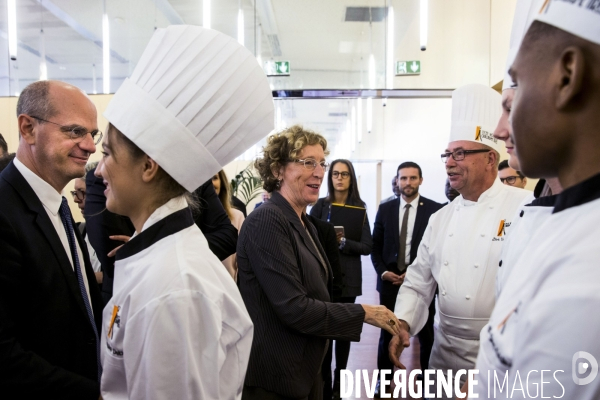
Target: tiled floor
[363,355]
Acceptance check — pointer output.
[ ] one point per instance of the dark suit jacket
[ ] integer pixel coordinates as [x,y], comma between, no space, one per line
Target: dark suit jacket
[328,239]
[285,291]
[214,223]
[350,255]
[386,236]
[100,224]
[47,346]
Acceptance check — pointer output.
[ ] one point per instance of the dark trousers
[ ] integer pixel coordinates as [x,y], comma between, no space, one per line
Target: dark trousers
[342,352]
[257,393]
[425,336]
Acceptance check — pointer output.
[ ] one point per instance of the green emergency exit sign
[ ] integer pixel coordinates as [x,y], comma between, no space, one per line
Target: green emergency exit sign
[408,67]
[277,68]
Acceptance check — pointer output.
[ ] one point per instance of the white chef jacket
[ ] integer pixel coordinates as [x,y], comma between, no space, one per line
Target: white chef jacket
[459,252]
[529,217]
[176,326]
[548,311]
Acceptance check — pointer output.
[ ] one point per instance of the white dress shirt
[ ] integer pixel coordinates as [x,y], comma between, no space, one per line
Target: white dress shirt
[412,216]
[51,201]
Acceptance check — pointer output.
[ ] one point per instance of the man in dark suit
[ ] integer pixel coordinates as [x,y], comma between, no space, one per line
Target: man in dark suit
[50,304]
[398,230]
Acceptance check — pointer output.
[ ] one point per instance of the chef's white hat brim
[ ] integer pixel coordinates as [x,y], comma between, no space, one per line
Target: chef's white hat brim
[476,110]
[525,12]
[196,100]
[580,18]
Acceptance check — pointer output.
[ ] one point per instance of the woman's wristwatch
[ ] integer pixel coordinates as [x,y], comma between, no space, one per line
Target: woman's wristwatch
[342,242]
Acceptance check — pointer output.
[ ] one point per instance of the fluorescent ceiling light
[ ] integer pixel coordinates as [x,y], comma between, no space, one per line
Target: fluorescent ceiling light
[43,67]
[369,114]
[94,90]
[240,35]
[105,55]
[371,71]
[206,14]
[423,24]
[12,29]
[390,50]
[353,127]
[359,119]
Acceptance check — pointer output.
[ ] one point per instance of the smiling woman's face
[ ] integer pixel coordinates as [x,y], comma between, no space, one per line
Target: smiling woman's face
[300,186]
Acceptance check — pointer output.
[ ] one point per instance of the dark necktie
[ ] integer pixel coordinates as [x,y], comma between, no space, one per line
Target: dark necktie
[65,216]
[402,250]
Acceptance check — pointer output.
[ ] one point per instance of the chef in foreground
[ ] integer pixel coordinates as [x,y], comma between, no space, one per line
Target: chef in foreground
[176,326]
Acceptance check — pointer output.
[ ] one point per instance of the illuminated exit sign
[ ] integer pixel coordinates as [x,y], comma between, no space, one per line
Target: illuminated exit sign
[277,68]
[408,67]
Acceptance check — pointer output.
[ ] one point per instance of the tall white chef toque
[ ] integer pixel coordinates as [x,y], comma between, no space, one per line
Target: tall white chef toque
[476,110]
[196,100]
[525,12]
[579,18]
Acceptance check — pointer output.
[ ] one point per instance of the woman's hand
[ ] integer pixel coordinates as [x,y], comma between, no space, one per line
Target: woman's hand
[339,235]
[383,318]
[122,238]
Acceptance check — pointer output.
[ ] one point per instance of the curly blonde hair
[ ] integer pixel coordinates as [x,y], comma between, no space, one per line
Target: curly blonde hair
[282,148]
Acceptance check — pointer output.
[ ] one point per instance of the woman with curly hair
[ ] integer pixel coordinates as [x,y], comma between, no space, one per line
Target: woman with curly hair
[284,276]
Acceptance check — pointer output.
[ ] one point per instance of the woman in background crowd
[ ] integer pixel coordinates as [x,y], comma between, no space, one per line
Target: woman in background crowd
[284,276]
[343,190]
[223,190]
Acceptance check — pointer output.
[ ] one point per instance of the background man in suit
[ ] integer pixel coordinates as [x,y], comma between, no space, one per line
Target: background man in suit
[3,146]
[405,218]
[50,305]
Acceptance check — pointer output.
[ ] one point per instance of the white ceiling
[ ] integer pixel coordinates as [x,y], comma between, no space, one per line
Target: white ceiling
[312,35]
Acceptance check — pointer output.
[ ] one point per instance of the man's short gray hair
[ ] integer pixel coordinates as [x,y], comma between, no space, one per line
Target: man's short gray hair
[89,167]
[35,101]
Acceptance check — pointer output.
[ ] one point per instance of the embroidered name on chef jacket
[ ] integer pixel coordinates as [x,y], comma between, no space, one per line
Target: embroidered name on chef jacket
[115,320]
[501,231]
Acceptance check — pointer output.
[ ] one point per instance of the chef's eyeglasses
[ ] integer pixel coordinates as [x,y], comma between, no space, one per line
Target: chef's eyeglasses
[459,155]
[77,133]
[311,164]
[509,179]
[78,194]
[344,175]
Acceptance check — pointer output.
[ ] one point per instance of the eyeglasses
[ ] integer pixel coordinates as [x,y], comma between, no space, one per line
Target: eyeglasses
[459,155]
[78,195]
[77,133]
[345,174]
[311,164]
[510,179]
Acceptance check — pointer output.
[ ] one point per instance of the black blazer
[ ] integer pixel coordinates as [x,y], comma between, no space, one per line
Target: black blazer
[285,291]
[214,223]
[47,346]
[100,224]
[350,255]
[386,238]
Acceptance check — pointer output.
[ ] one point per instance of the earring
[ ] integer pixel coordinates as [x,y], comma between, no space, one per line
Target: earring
[278,183]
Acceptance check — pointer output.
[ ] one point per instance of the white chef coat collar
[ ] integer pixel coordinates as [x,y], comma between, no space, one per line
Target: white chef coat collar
[490,193]
[168,219]
[49,197]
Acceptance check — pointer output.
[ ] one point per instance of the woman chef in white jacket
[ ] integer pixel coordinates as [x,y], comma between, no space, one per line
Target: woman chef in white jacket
[176,326]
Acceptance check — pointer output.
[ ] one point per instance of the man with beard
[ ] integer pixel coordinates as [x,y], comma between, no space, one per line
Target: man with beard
[399,227]
[545,318]
[460,250]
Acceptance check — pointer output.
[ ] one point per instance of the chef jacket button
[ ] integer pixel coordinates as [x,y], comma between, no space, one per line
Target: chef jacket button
[491,207]
[476,265]
[444,293]
[500,264]
[451,234]
[468,297]
[457,208]
[522,213]
[445,262]
[483,235]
